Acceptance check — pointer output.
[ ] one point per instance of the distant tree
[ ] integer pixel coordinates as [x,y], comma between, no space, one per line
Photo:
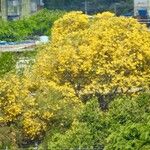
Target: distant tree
[93,5]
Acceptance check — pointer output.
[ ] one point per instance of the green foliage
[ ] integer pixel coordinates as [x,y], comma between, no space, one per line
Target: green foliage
[42,25]
[130,137]
[29,54]
[128,121]
[15,30]
[78,137]
[125,126]
[87,131]
[7,62]
[129,110]
[28,27]
[7,138]
[94,118]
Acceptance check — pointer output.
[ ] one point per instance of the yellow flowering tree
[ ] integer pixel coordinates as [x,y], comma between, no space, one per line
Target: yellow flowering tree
[103,55]
[30,106]
[70,23]
[99,56]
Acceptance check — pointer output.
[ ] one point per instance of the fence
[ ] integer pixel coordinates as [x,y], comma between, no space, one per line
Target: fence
[145,21]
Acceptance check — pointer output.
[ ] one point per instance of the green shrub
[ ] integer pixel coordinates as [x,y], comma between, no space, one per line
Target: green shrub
[43,25]
[125,126]
[87,131]
[8,138]
[128,110]
[130,137]
[7,62]
[128,121]
[94,118]
[38,24]
[78,137]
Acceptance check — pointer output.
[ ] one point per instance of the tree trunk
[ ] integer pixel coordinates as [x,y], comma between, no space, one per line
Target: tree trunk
[103,104]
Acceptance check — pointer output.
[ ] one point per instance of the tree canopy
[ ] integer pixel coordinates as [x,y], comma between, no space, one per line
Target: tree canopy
[98,56]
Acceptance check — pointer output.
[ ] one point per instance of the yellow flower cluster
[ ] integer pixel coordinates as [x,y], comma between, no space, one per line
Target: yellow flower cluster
[10,103]
[33,104]
[33,127]
[65,25]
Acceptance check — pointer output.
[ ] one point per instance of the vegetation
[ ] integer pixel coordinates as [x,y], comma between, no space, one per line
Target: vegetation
[9,60]
[29,27]
[125,126]
[98,57]
[84,90]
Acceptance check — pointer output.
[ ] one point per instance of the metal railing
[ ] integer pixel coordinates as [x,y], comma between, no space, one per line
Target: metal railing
[145,21]
[18,47]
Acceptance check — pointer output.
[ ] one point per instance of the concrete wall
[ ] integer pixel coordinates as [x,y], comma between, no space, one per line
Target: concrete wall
[4,9]
[26,10]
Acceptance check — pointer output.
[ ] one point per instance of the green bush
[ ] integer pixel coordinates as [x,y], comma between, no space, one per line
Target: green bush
[94,118]
[86,132]
[128,110]
[43,21]
[128,121]
[38,24]
[78,137]
[7,62]
[130,137]
[125,126]
[7,138]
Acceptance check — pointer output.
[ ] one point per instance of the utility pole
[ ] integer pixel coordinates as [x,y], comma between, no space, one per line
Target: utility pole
[86,7]
[115,7]
[148,7]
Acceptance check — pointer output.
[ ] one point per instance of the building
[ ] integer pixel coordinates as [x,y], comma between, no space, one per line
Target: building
[15,9]
[142,8]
